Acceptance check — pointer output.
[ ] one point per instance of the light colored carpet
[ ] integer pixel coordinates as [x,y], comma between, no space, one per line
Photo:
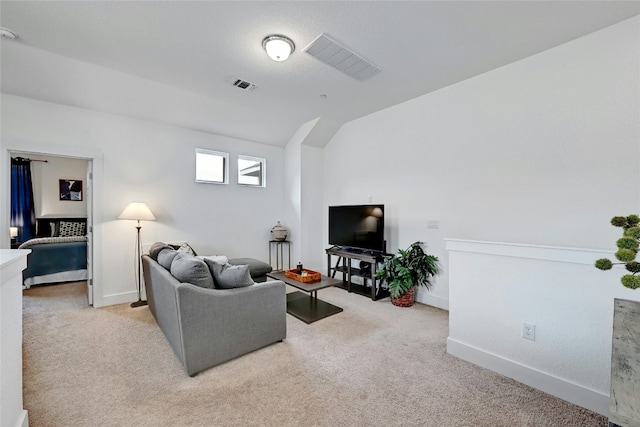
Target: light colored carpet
[372,365]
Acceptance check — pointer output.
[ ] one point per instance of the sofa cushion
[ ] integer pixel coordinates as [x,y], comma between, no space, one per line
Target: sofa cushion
[166,256]
[257,268]
[155,249]
[227,276]
[189,269]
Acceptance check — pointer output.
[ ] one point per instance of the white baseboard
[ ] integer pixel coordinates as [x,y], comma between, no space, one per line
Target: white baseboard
[566,390]
[435,301]
[23,420]
[118,298]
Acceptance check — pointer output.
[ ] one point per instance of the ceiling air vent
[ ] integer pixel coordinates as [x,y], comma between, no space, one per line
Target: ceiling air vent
[244,85]
[333,53]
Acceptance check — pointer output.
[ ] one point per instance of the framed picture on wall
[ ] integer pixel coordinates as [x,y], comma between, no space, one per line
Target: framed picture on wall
[71,189]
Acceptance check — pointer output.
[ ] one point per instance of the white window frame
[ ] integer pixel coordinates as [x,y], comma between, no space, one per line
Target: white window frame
[199,165]
[263,170]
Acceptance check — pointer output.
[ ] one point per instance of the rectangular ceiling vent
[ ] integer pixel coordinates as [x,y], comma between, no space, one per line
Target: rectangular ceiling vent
[333,53]
[244,85]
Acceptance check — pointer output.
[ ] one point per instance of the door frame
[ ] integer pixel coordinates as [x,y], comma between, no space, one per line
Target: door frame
[94,157]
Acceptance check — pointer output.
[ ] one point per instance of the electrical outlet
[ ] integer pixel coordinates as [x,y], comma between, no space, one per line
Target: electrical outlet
[528,331]
[433,224]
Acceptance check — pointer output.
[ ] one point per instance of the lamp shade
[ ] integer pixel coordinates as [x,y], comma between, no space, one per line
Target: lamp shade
[138,211]
[13,231]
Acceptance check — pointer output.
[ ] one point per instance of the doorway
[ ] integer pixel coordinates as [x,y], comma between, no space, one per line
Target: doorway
[92,162]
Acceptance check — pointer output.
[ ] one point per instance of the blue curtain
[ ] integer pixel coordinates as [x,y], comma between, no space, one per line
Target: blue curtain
[22,211]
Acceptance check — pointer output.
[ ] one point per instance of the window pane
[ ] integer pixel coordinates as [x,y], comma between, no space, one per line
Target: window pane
[251,171]
[211,166]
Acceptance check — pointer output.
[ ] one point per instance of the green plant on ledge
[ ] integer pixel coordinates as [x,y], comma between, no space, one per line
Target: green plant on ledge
[627,252]
[411,267]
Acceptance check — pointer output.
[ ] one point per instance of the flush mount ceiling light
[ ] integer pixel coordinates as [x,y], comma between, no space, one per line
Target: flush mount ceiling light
[7,33]
[278,47]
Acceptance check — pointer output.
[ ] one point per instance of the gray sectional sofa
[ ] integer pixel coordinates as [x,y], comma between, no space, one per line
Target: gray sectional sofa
[207,326]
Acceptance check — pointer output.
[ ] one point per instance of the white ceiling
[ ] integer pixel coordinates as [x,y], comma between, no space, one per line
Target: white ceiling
[202,47]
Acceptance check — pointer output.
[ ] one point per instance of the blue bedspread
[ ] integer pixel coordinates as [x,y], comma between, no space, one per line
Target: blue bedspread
[55,257]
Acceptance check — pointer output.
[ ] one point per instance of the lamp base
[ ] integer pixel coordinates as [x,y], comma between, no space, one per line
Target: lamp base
[138,303]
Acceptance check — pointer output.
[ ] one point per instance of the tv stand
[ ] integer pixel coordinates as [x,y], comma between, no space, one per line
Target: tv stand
[346,255]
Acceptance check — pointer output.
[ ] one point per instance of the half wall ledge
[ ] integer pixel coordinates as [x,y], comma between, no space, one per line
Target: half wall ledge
[494,287]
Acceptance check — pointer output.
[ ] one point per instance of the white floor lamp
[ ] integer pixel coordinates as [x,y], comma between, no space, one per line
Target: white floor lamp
[138,211]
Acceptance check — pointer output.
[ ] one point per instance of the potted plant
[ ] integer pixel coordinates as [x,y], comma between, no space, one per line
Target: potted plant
[403,272]
[625,349]
[627,252]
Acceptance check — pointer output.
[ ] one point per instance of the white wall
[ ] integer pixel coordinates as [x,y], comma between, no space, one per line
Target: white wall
[312,207]
[45,176]
[292,202]
[497,286]
[152,162]
[303,183]
[544,150]
[12,412]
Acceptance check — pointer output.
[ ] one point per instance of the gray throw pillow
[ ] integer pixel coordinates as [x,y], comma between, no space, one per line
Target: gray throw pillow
[155,249]
[183,247]
[189,269]
[166,256]
[220,259]
[227,276]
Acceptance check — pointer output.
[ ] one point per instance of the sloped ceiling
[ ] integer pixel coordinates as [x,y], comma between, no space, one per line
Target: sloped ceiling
[175,61]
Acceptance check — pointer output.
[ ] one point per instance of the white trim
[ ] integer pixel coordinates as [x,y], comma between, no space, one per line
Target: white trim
[13,261]
[121,298]
[23,419]
[225,166]
[567,390]
[263,170]
[435,301]
[520,250]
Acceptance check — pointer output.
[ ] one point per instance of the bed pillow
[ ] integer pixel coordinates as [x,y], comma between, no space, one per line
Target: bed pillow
[227,276]
[166,256]
[72,228]
[189,269]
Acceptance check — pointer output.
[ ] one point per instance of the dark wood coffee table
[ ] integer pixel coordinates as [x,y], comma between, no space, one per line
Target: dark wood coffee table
[308,308]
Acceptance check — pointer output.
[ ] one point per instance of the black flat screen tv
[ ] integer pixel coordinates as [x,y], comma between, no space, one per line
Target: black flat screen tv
[357,227]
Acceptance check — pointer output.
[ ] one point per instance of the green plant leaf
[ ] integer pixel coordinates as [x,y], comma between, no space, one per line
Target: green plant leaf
[633,266]
[632,232]
[628,243]
[626,255]
[631,281]
[604,264]
[628,247]
[619,221]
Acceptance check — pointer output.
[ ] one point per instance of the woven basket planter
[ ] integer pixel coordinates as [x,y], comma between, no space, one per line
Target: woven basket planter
[405,300]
